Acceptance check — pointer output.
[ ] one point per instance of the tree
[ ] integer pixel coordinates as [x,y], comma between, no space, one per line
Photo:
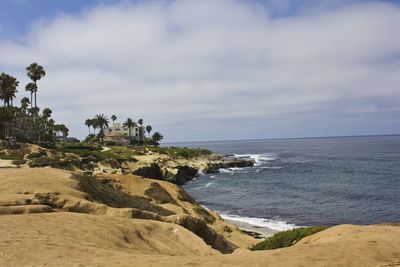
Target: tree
[88,123]
[8,88]
[95,125]
[24,103]
[61,128]
[35,72]
[102,122]
[65,131]
[157,137]
[129,123]
[140,121]
[46,113]
[113,118]
[50,126]
[148,129]
[24,123]
[31,88]
[6,116]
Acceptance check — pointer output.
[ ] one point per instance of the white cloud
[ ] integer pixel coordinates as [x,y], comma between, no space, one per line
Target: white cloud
[219,69]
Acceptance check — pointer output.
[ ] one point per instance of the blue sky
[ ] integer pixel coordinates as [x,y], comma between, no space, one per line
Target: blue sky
[207,70]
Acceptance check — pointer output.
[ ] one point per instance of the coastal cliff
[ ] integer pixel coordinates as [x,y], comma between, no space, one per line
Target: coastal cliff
[97,208]
[175,165]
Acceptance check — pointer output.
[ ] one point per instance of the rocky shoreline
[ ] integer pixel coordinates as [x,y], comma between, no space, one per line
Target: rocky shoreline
[177,170]
[183,172]
[96,208]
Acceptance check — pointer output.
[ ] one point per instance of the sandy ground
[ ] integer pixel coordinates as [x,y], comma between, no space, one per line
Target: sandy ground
[35,230]
[6,163]
[71,239]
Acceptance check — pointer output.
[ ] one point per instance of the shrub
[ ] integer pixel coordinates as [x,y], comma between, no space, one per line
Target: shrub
[287,238]
[159,194]
[10,156]
[19,162]
[204,214]
[47,144]
[79,146]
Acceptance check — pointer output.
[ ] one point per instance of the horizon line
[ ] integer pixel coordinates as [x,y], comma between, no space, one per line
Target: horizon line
[284,138]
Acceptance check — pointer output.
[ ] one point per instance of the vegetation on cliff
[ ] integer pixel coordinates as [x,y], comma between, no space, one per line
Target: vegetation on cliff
[287,238]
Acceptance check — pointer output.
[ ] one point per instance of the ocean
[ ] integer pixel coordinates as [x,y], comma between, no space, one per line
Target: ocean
[303,182]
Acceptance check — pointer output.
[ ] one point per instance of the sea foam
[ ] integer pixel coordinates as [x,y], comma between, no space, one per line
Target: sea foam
[258,158]
[273,224]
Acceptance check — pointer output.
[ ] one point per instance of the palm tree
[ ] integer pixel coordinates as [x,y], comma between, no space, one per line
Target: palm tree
[6,117]
[8,88]
[50,126]
[141,130]
[46,113]
[24,103]
[113,118]
[157,137]
[64,131]
[148,129]
[95,125]
[102,122]
[35,72]
[32,88]
[129,123]
[88,123]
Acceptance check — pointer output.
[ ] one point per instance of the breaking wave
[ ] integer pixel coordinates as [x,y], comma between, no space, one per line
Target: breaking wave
[273,224]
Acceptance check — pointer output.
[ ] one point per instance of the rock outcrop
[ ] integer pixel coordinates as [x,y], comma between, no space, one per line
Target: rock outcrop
[45,190]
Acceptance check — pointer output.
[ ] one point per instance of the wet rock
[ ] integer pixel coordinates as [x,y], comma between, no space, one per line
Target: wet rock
[228,163]
[184,174]
[153,171]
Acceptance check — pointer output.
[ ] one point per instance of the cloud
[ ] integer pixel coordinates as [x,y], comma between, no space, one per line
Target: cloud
[200,70]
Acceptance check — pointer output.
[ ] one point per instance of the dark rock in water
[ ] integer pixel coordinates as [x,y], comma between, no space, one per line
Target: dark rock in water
[153,171]
[228,163]
[184,174]
[212,168]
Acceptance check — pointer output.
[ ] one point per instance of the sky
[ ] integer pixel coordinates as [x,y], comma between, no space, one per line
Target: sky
[212,70]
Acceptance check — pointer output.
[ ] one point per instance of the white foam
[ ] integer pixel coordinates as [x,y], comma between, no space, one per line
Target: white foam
[225,171]
[258,158]
[208,184]
[273,224]
[205,186]
[236,169]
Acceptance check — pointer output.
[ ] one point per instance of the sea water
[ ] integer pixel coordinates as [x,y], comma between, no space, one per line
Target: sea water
[301,182]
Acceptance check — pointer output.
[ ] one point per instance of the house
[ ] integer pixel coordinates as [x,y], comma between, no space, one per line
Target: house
[119,134]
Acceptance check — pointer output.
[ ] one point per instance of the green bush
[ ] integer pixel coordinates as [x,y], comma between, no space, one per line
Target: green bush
[79,146]
[10,156]
[287,238]
[127,152]
[19,162]
[159,194]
